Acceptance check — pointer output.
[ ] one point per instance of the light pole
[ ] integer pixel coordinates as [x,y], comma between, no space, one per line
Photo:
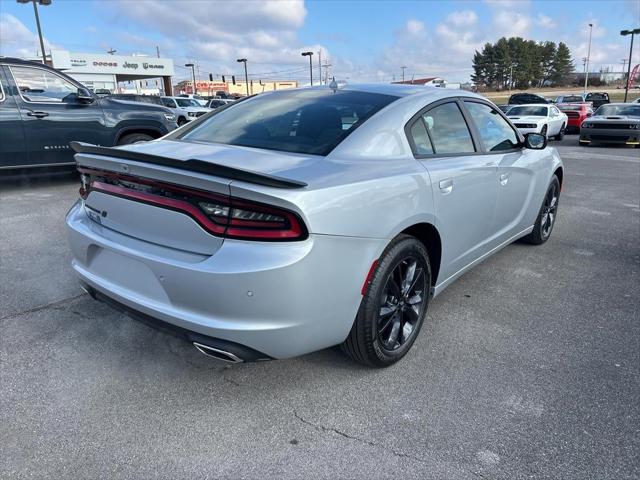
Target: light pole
[624,33]
[309,54]
[246,76]
[44,3]
[193,74]
[586,72]
[403,73]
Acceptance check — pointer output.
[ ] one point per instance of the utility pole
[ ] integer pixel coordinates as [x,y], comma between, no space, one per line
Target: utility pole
[326,72]
[44,3]
[510,77]
[246,76]
[111,51]
[586,73]
[403,73]
[309,54]
[624,33]
[158,51]
[193,72]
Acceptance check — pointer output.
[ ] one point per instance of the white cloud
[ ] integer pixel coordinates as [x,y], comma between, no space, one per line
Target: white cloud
[545,22]
[17,40]
[511,24]
[464,18]
[414,27]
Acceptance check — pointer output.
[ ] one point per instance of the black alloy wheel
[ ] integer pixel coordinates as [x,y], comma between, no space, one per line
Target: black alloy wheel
[394,305]
[547,215]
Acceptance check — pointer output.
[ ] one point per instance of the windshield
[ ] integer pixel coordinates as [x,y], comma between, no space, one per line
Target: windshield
[597,96]
[529,110]
[629,110]
[567,108]
[301,121]
[187,102]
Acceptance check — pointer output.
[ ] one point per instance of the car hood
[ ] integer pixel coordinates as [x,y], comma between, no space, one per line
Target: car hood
[527,118]
[107,102]
[614,118]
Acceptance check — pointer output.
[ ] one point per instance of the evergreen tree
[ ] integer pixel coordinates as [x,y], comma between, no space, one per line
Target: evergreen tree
[562,65]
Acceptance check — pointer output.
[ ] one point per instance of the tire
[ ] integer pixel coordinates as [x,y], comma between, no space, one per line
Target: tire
[386,324]
[134,138]
[544,131]
[548,213]
[560,134]
[181,121]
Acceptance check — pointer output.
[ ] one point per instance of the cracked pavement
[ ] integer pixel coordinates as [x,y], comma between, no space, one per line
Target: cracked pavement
[527,367]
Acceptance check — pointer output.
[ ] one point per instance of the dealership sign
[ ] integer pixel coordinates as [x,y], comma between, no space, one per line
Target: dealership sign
[113,64]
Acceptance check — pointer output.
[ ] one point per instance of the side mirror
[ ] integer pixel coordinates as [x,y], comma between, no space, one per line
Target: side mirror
[535,141]
[84,96]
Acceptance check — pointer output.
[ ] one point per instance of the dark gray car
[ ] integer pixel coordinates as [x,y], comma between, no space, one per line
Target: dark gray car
[42,110]
[612,123]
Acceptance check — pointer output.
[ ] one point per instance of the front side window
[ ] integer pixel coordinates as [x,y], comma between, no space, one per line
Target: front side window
[302,121]
[448,130]
[495,132]
[38,85]
[168,102]
[187,102]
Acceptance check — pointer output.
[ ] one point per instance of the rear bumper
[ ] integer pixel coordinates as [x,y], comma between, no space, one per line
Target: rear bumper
[279,299]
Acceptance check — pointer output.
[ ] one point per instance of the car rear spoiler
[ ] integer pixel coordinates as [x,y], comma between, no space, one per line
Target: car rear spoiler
[192,165]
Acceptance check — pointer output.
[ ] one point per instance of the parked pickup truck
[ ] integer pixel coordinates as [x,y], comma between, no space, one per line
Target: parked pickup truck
[42,110]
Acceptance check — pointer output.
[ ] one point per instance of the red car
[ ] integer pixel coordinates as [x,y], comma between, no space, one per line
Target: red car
[576,114]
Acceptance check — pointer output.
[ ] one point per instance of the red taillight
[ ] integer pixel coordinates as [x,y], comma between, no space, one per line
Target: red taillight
[220,215]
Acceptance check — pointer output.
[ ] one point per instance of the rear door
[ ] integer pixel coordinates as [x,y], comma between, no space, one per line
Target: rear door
[52,116]
[515,169]
[463,183]
[12,141]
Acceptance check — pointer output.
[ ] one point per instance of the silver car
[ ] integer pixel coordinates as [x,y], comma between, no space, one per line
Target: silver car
[301,219]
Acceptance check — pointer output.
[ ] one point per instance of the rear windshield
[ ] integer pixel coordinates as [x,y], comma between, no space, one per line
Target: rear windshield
[187,102]
[568,108]
[629,110]
[597,96]
[300,121]
[572,98]
[528,110]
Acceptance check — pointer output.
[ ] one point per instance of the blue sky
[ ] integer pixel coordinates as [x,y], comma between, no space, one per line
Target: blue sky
[363,40]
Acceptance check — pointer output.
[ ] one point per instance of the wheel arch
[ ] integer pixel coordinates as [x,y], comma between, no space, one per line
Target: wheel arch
[151,131]
[559,172]
[428,234]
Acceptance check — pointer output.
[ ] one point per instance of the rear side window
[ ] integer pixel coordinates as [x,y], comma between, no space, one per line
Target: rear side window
[168,102]
[421,138]
[495,132]
[448,130]
[38,85]
[301,121]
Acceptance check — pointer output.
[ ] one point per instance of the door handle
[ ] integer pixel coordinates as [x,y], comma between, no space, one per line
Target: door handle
[31,113]
[504,178]
[446,186]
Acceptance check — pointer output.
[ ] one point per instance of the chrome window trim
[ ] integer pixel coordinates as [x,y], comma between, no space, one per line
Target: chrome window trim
[43,70]
[2,97]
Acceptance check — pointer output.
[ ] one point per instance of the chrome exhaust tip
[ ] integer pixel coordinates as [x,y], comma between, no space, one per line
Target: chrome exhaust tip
[217,353]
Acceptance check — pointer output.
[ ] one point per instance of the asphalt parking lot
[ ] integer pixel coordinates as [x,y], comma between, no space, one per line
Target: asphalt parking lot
[527,367]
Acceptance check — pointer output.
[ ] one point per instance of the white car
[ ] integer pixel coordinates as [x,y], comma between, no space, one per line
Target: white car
[545,119]
[185,109]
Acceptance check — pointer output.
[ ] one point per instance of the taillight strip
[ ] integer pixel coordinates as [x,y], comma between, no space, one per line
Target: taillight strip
[164,202]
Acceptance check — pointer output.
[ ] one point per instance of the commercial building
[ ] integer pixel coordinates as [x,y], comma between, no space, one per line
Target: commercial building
[116,73]
[209,88]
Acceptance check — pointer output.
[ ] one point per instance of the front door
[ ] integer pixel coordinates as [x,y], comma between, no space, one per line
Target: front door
[462,182]
[12,144]
[53,117]
[516,169]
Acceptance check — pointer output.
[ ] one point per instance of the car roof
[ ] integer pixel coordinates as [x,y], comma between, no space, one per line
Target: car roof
[397,90]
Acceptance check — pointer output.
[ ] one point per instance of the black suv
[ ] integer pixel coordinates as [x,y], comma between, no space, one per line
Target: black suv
[42,110]
[134,97]
[526,98]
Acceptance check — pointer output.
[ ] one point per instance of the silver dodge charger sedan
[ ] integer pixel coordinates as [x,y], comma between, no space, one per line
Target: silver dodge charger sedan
[297,220]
